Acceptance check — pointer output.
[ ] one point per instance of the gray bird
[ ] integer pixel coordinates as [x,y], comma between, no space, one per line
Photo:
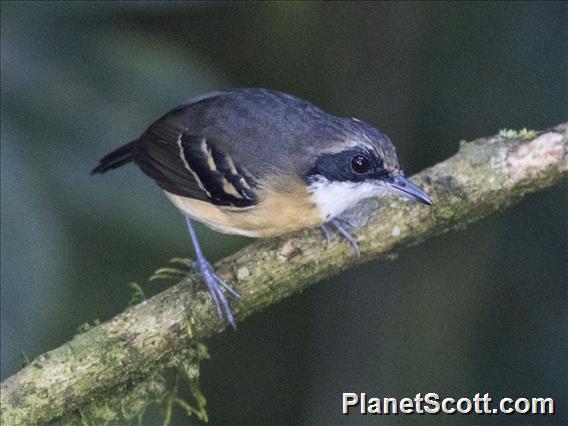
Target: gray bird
[262,163]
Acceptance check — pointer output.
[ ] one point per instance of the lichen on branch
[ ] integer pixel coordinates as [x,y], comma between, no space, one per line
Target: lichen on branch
[484,177]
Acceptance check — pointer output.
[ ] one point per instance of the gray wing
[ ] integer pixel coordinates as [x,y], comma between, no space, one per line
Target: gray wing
[188,164]
[217,147]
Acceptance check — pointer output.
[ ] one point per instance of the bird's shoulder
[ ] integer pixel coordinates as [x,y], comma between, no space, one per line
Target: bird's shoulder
[218,146]
[184,159]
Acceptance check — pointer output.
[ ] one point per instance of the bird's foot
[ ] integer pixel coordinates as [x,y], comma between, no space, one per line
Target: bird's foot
[218,289]
[326,233]
[342,228]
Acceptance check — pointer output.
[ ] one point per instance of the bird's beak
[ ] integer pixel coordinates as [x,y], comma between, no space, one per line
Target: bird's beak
[402,186]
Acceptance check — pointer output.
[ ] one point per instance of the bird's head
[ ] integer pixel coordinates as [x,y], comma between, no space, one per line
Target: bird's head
[360,164]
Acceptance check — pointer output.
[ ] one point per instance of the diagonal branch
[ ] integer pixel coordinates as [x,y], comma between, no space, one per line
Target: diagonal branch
[484,177]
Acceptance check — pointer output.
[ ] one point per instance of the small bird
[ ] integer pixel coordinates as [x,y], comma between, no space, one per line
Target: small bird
[262,163]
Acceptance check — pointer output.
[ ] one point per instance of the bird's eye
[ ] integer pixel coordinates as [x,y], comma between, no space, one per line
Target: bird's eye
[360,164]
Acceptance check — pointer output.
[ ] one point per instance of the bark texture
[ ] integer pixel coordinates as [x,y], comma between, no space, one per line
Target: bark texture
[484,177]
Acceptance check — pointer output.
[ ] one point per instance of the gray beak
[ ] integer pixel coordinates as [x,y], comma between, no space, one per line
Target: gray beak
[402,186]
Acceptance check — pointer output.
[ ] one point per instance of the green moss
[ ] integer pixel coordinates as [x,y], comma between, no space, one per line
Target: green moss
[13,416]
[467,187]
[164,386]
[137,295]
[170,273]
[517,134]
[83,328]
[24,360]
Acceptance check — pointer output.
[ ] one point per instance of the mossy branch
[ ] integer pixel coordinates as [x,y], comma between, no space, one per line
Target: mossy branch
[484,177]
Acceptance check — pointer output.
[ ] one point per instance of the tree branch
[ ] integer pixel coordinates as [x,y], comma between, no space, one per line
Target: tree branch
[484,177]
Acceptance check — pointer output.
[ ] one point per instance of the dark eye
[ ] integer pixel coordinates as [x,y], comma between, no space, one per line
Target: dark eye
[360,164]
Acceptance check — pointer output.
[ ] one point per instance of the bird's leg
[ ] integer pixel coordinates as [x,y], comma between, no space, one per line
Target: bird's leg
[215,284]
[326,233]
[341,228]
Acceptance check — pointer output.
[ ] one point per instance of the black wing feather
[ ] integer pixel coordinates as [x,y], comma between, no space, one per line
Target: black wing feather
[115,159]
[191,166]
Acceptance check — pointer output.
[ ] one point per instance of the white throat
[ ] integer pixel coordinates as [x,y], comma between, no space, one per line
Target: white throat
[333,198]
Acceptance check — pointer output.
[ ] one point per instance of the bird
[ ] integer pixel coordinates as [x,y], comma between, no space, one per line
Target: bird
[262,163]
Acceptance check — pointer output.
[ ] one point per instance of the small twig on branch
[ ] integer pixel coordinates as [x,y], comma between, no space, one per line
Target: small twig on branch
[484,177]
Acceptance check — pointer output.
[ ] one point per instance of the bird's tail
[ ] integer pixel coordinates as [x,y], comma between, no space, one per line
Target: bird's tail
[115,159]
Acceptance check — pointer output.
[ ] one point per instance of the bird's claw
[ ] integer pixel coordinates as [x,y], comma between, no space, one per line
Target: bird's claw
[217,288]
[343,231]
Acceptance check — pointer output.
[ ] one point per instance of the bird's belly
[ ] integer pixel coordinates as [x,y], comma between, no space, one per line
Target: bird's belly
[277,216]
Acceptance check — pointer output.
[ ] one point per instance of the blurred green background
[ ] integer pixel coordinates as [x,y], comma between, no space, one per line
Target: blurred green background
[483,310]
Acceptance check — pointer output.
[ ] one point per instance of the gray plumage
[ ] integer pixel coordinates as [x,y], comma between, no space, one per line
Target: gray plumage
[241,122]
[262,163]
[262,132]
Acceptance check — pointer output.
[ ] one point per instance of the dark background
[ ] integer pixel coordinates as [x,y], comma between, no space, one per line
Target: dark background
[483,310]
